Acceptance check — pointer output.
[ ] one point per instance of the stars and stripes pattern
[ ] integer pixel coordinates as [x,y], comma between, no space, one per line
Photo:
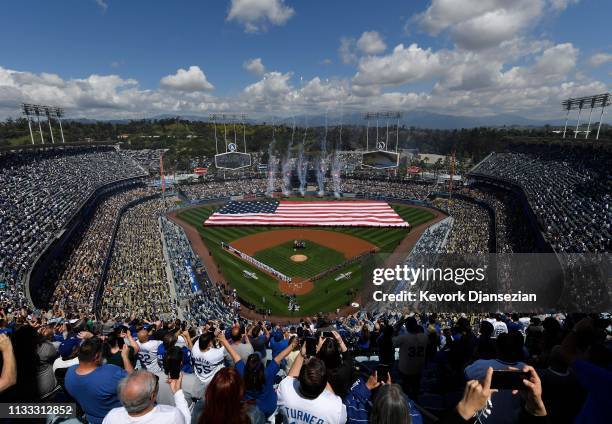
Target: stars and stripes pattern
[363,213]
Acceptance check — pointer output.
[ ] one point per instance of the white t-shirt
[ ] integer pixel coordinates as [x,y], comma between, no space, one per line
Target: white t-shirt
[325,409]
[147,355]
[161,414]
[60,363]
[207,364]
[499,327]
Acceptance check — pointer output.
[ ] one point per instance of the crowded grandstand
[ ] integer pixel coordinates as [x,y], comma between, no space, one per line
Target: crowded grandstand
[106,304]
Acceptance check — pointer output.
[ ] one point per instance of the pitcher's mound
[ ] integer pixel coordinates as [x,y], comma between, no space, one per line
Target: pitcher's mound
[299,258]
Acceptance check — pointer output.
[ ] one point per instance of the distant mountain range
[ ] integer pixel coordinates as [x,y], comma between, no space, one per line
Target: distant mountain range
[416,118]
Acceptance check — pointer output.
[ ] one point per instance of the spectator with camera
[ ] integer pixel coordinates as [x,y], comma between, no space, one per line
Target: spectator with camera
[305,395]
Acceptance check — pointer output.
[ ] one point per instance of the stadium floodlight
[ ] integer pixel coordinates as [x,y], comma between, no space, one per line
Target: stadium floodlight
[30,110]
[37,111]
[588,102]
[27,111]
[47,111]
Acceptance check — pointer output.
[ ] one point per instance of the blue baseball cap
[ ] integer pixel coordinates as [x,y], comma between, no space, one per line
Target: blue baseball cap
[67,347]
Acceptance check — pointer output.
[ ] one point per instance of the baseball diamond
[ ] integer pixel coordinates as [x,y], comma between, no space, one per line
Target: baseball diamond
[329,251]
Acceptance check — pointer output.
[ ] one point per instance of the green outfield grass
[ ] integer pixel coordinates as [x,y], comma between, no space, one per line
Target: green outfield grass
[320,258]
[327,293]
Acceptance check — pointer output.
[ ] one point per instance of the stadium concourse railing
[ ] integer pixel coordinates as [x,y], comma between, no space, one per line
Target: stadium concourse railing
[39,295]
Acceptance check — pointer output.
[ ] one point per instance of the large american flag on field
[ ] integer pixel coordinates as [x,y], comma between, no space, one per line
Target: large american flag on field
[364,213]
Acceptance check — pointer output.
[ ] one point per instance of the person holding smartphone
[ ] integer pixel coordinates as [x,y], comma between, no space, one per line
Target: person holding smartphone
[306,396]
[338,361]
[259,382]
[379,400]
[474,406]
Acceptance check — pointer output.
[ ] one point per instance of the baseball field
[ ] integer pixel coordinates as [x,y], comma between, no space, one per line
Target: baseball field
[315,269]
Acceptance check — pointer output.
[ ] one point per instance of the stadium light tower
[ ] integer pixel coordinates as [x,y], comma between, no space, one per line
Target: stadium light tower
[37,113]
[27,111]
[590,102]
[47,110]
[59,112]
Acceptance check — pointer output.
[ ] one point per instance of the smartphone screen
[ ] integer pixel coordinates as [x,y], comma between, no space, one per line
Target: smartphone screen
[174,368]
[382,373]
[509,379]
[311,346]
[328,334]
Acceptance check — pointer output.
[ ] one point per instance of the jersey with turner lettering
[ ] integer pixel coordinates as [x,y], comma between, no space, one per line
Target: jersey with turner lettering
[327,408]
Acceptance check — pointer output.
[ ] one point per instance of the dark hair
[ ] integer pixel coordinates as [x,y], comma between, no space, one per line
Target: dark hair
[510,346]
[173,353]
[330,354]
[236,334]
[254,376]
[255,331]
[412,325]
[313,378]
[169,340]
[223,399]
[113,340]
[89,349]
[486,329]
[205,340]
[390,406]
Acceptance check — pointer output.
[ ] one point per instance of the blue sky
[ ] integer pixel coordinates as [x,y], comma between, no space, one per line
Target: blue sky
[109,58]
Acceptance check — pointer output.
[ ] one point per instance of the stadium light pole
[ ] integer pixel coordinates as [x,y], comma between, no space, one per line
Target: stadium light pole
[26,111]
[588,130]
[37,112]
[48,113]
[566,118]
[578,121]
[603,106]
[59,112]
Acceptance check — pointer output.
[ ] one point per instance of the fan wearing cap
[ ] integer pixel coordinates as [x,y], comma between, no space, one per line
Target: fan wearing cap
[68,351]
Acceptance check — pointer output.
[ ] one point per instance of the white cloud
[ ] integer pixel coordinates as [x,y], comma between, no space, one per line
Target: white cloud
[255,66]
[562,4]
[192,79]
[371,42]
[600,58]
[521,76]
[346,51]
[272,85]
[479,24]
[103,5]
[403,65]
[256,15]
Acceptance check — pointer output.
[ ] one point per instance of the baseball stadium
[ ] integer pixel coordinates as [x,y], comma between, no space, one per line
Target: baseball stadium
[285,212]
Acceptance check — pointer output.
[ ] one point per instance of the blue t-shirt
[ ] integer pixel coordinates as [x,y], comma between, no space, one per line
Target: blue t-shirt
[266,397]
[278,347]
[96,392]
[598,382]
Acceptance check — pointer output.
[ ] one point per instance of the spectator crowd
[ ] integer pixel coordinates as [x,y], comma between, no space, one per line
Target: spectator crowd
[380,368]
